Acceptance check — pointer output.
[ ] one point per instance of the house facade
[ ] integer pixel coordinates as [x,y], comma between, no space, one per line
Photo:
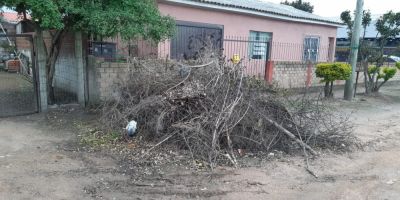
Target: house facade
[256,31]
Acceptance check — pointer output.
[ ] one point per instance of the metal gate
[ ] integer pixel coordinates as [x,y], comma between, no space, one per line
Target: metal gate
[191,38]
[253,53]
[18,86]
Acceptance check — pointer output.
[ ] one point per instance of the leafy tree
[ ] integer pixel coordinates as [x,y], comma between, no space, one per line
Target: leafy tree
[388,27]
[366,48]
[301,5]
[330,72]
[347,19]
[103,18]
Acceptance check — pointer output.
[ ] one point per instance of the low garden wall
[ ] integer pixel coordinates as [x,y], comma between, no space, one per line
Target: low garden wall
[302,74]
[103,77]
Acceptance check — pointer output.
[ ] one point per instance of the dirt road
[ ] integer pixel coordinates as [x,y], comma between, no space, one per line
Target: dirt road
[39,161]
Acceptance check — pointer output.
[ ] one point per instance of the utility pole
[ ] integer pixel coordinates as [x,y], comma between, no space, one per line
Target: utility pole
[355,43]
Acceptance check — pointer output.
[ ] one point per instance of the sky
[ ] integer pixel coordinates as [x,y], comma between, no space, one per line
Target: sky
[333,8]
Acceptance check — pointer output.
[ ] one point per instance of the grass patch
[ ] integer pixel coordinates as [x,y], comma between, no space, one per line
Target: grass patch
[98,139]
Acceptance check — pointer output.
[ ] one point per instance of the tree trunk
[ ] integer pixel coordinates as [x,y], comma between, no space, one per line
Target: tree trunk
[331,90]
[376,83]
[367,78]
[51,59]
[326,89]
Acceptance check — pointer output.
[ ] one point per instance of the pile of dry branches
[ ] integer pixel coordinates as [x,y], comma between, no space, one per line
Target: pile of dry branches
[210,108]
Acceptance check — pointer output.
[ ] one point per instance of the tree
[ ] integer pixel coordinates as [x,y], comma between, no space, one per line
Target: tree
[364,50]
[347,19]
[104,18]
[301,5]
[388,28]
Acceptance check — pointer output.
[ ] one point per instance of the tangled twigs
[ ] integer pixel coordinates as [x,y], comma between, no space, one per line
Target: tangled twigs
[290,135]
[213,109]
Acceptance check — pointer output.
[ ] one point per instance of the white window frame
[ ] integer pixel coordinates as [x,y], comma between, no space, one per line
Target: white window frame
[259,50]
[310,53]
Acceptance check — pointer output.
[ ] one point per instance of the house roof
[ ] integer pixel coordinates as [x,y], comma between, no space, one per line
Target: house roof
[261,8]
[11,17]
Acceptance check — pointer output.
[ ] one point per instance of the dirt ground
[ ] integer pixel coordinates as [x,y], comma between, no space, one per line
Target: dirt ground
[40,160]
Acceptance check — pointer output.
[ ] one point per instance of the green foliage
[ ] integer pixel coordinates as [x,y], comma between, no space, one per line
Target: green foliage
[97,139]
[345,16]
[372,69]
[333,71]
[105,18]
[301,5]
[398,65]
[347,19]
[388,25]
[388,73]
[385,73]
[366,20]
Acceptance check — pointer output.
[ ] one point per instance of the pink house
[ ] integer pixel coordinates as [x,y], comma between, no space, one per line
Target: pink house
[257,31]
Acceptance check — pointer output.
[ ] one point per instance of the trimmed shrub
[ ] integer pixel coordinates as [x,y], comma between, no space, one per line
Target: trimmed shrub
[385,72]
[330,72]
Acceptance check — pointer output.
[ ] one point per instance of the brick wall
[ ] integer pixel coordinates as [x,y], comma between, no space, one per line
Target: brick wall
[302,74]
[103,77]
[294,74]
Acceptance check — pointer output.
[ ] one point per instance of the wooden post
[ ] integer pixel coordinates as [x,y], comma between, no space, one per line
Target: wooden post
[355,86]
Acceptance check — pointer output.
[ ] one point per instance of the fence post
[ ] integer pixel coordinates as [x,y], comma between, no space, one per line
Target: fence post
[269,71]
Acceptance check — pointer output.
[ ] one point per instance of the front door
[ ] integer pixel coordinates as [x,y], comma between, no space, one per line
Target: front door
[192,39]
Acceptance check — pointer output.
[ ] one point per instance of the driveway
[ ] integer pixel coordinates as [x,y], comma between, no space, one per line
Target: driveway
[16,95]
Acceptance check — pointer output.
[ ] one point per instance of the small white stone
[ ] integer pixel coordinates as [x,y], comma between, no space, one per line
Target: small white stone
[271,154]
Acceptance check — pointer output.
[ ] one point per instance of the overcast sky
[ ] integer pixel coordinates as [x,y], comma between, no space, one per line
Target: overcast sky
[333,8]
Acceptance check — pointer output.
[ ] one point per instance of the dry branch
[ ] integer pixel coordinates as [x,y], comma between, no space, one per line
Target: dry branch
[214,110]
[289,134]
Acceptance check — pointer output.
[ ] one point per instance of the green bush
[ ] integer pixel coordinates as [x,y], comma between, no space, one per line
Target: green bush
[330,72]
[333,71]
[372,69]
[384,72]
[398,65]
[388,73]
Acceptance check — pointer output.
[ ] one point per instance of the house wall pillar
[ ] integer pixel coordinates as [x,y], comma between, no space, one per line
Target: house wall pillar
[80,90]
[309,74]
[269,71]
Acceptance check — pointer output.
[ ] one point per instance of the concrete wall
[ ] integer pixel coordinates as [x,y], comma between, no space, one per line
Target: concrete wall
[69,78]
[66,74]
